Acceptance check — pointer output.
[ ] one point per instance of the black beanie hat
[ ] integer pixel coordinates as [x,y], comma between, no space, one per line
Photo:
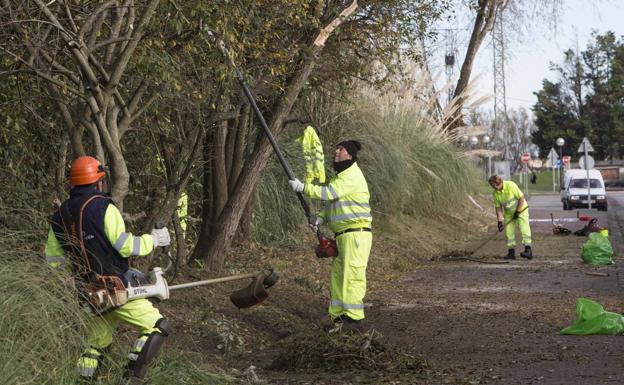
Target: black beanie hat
[352,147]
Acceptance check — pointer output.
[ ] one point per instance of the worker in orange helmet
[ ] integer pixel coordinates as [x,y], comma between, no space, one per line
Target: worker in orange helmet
[88,235]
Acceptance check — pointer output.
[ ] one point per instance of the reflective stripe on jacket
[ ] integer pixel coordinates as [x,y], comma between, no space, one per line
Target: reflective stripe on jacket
[347,200]
[508,198]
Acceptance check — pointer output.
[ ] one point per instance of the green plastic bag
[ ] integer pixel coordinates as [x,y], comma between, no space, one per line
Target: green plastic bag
[597,250]
[591,318]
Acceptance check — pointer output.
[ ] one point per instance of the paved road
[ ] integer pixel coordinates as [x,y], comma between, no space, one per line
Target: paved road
[499,323]
[543,205]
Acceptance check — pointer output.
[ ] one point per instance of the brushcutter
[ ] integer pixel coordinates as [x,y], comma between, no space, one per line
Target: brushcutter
[250,295]
[326,247]
[154,285]
[558,229]
[110,292]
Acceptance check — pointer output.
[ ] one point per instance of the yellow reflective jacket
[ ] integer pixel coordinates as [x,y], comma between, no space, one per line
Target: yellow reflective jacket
[313,155]
[347,200]
[508,198]
[124,242]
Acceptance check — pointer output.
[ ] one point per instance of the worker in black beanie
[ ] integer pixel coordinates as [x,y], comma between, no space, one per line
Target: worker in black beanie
[347,212]
[352,147]
[343,162]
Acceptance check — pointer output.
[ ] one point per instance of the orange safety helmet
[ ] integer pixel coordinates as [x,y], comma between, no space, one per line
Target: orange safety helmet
[85,170]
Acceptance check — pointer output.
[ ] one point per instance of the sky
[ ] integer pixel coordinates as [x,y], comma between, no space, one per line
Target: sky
[528,61]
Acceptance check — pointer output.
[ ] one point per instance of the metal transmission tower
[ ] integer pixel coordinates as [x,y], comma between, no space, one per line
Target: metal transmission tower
[430,93]
[449,62]
[500,103]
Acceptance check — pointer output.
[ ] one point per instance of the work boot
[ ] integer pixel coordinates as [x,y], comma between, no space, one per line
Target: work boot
[511,254]
[336,326]
[527,253]
[85,380]
[352,325]
[132,380]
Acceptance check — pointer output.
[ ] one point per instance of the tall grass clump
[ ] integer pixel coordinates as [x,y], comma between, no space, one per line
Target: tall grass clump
[41,324]
[411,164]
[277,211]
[410,161]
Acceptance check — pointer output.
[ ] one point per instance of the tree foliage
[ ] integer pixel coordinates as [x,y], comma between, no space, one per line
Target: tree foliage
[144,87]
[586,101]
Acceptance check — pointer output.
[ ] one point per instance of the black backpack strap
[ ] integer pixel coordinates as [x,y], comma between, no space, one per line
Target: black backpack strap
[72,227]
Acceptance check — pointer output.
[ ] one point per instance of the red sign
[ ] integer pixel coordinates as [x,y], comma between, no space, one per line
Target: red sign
[566,161]
[526,157]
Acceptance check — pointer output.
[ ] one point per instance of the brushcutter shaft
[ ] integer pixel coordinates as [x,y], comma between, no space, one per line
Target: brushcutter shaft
[213,280]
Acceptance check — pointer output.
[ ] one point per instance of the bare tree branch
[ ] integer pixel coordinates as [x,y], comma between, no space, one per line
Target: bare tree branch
[124,57]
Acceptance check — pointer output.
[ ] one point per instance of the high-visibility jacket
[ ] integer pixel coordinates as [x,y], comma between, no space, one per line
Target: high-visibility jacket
[313,155]
[508,198]
[347,200]
[102,246]
[183,210]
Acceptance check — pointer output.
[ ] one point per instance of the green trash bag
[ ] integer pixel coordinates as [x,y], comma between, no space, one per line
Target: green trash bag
[597,250]
[591,318]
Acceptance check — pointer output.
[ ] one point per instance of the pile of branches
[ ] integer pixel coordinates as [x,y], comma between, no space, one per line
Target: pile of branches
[345,351]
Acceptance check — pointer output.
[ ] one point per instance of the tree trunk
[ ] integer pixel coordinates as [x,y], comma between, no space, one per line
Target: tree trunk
[229,219]
[484,21]
[219,172]
[205,229]
[241,137]
[244,233]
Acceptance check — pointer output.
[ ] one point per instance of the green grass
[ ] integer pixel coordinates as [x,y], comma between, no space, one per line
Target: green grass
[544,183]
[41,325]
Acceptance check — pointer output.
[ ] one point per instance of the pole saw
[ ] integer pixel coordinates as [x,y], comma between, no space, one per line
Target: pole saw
[326,247]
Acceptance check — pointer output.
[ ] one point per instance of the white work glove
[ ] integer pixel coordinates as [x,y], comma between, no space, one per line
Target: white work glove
[161,237]
[296,185]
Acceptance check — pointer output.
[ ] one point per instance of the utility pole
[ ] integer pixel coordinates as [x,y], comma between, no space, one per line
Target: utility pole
[501,121]
[431,92]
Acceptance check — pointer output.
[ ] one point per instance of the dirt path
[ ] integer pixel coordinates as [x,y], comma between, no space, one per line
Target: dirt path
[498,324]
[448,322]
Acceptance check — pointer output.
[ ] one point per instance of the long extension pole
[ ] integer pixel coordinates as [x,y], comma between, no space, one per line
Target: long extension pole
[265,127]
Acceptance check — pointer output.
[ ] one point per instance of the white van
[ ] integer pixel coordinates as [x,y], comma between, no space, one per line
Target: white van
[574,190]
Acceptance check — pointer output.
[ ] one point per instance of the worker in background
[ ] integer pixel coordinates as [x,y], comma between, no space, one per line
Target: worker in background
[511,209]
[88,229]
[347,212]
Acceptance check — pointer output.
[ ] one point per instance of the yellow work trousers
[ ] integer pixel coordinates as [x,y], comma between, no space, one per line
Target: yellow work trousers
[348,275]
[139,313]
[510,229]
